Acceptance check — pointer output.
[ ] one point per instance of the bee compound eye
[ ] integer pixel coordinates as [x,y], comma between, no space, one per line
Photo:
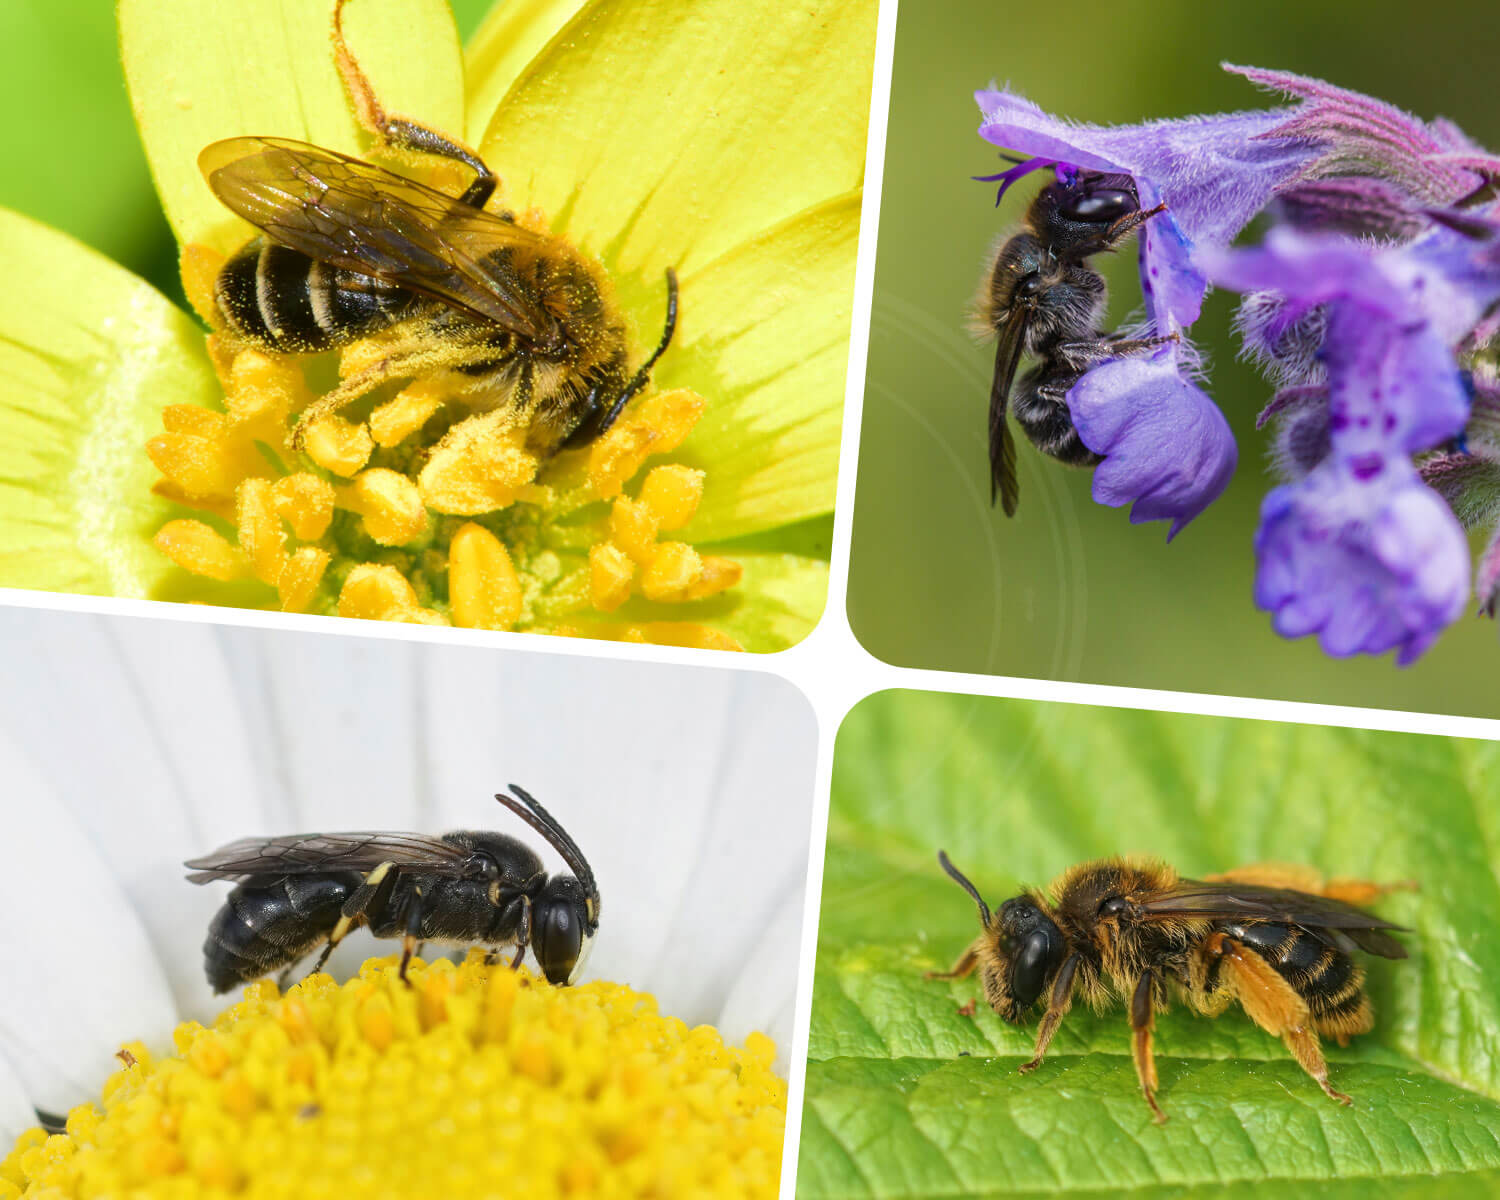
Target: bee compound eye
[1031,965]
[1101,206]
[557,939]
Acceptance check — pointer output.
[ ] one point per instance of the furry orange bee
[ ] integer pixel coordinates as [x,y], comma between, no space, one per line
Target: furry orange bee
[1277,940]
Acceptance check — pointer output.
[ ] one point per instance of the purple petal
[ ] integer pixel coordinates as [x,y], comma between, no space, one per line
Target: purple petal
[1368,565]
[1166,447]
[1365,136]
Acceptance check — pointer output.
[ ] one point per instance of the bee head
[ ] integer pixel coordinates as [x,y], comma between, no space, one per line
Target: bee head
[565,914]
[1075,210]
[1020,951]
[562,932]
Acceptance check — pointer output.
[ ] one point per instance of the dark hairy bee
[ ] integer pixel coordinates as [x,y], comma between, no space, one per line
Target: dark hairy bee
[295,893]
[1276,940]
[1040,297]
[349,249]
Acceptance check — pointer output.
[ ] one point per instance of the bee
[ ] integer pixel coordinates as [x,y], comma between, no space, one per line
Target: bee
[293,893]
[1040,297]
[348,249]
[1276,940]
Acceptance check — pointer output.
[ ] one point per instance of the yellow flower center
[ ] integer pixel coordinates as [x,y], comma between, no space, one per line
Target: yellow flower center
[476,1081]
[417,510]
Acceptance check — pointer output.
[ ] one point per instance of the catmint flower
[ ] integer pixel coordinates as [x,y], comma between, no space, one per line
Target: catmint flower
[1360,550]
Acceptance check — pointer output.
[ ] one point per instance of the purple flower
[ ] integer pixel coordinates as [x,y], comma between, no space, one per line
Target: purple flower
[1368,564]
[1361,551]
[1165,446]
[1382,166]
[1214,173]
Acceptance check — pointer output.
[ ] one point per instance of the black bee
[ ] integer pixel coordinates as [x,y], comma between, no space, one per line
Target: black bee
[1041,298]
[294,893]
[350,249]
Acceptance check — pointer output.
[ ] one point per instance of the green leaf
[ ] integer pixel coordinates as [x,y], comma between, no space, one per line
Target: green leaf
[201,72]
[89,354]
[906,1096]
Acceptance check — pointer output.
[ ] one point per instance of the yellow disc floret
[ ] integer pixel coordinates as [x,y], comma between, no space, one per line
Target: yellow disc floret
[477,1081]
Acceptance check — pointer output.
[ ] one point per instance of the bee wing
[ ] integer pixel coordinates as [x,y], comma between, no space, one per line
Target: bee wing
[363,218]
[1332,921]
[1003,477]
[313,853]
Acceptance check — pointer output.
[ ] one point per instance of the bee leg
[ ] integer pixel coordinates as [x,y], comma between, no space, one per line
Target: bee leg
[413,928]
[369,895]
[1273,1004]
[962,969]
[1142,1021]
[402,132]
[523,933]
[1058,1004]
[1116,231]
[1359,892]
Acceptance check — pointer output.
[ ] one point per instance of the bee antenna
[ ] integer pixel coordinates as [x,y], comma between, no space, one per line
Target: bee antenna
[644,373]
[958,877]
[530,811]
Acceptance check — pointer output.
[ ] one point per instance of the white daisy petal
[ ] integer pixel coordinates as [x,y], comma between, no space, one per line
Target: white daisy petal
[57,1035]
[764,997]
[16,1113]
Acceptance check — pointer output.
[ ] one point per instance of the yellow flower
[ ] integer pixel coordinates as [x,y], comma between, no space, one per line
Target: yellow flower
[722,139]
[475,1081]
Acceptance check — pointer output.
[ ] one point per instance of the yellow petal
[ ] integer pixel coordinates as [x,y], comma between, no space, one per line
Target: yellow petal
[506,41]
[672,130]
[200,72]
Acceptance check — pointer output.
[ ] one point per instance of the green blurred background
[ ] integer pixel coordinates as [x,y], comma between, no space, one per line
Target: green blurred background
[69,149]
[1069,589]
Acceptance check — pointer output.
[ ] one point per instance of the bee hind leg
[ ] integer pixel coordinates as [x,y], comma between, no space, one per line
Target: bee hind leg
[1361,892]
[402,132]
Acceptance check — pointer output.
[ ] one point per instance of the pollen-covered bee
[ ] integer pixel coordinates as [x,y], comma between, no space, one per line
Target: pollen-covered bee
[349,249]
[293,894]
[1277,940]
[1040,297]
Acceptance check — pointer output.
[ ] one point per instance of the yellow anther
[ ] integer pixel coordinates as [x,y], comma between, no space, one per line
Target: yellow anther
[397,419]
[689,634]
[484,591]
[378,592]
[610,572]
[195,547]
[260,533]
[673,569]
[719,574]
[206,467]
[481,465]
[673,493]
[337,445]
[632,527]
[656,424]
[261,391]
[390,504]
[305,502]
[300,576]
[193,419]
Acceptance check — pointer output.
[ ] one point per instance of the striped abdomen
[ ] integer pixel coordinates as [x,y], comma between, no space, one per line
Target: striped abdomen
[269,922]
[282,299]
[1329,981]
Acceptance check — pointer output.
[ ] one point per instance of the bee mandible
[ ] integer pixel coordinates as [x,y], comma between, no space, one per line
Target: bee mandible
[1277,940]
[465,888]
